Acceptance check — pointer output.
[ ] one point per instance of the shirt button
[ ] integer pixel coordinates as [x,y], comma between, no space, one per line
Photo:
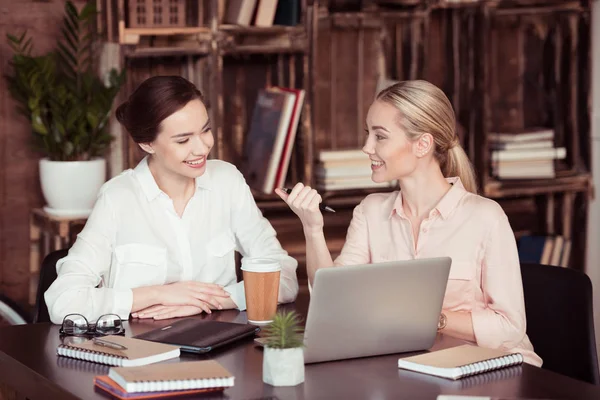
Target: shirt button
[424,230]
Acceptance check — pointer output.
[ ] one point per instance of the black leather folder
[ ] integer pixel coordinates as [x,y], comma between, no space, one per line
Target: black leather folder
[199,336]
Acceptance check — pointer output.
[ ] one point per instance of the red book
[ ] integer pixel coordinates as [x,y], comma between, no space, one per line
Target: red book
[291,135]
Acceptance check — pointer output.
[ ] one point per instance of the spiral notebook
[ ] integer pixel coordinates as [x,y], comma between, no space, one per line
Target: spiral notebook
[137,352]
[207,374]
[459,362]
[103,384]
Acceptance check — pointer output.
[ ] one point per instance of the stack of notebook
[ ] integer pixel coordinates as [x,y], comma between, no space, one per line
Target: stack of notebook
[164,380]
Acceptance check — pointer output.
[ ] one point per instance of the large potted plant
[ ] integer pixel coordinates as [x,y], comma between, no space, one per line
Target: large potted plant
[68,106]
[283,358]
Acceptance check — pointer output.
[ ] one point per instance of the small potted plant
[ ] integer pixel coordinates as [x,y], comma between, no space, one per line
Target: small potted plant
[68,106]
[283,359]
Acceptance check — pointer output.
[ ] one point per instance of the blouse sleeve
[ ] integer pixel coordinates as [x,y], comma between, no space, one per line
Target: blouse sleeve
[257,238]
[501,323]
[76,290]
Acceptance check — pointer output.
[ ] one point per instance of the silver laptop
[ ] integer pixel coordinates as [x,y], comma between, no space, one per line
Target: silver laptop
[368,310]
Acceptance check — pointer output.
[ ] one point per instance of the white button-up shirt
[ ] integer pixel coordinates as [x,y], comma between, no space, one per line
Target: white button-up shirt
[135,238]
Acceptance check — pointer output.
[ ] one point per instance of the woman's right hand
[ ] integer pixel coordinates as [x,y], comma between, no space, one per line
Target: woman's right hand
[304,202]
[198,294]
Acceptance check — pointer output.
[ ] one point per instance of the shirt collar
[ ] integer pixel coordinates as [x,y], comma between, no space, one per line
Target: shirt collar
[445,206]
[150,187]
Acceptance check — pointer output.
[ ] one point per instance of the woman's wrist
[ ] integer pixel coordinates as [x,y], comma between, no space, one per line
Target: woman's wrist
[312,231]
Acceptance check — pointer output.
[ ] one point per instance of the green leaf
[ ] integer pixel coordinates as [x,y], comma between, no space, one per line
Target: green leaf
[88,11]
[13,38]
[71,10]
[92,120]
[285,331]
[37,124]
[33,103]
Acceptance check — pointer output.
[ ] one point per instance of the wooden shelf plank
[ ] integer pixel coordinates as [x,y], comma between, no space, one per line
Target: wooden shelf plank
[259,30]
[145,52]
[185,30]
[502,189]
[263,49]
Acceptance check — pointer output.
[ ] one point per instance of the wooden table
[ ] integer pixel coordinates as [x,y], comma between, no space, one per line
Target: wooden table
[29,364]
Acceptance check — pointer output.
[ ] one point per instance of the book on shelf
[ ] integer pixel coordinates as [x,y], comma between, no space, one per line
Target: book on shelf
[346,155]
[541,144]
[545,249]
[265,13]
[287,13]
[288,146]
[137,351]
[266,138]
[527,135]
[459,362]
[536,169]
[239,12]
[354,184]
[346,169]
[529,154]
[362,169]
[205,374]
[555,153]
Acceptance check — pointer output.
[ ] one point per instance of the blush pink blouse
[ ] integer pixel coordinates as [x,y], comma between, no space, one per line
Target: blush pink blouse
[485,276]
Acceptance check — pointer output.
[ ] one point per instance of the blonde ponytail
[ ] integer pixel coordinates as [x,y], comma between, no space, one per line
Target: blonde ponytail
[424,108]
[458,164]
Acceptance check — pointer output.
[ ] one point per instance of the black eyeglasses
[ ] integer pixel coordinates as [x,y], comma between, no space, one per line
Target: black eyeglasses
[77,324]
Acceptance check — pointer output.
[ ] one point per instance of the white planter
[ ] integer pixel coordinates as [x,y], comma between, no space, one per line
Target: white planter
[70,187]
[283,367]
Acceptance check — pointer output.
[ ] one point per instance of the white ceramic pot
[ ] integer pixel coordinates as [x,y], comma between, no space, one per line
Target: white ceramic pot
[70,187]
[283,367]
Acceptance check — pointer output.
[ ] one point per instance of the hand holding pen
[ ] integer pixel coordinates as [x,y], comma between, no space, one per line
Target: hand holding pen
[322,206]
[307,204]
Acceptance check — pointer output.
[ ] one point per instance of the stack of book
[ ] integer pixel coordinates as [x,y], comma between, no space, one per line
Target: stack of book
[346,169]
[547,250]
[528,154]
[263,13]
[165,380]
[271,137]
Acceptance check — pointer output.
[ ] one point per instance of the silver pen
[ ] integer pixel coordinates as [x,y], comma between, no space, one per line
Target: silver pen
[107,343]
[322,206]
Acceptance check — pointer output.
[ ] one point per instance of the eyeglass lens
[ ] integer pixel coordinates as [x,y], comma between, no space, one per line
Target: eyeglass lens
[109,324]
[75,325]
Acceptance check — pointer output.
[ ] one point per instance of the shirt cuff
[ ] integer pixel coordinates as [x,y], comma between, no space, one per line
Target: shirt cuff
[122,303]
[488,330]
[238,294]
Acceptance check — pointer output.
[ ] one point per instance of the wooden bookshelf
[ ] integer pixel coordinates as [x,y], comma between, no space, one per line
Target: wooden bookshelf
[502,63]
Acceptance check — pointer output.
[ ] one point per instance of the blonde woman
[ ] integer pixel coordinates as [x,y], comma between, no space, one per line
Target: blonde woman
[411,138]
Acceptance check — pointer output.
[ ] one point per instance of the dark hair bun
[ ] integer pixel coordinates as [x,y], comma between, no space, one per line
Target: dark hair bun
[121,113]
[154,100]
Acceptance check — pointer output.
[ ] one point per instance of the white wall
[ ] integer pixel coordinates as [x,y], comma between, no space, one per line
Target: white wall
[593,245]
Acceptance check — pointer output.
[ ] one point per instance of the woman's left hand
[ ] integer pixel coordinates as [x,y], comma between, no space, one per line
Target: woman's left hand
[160,311]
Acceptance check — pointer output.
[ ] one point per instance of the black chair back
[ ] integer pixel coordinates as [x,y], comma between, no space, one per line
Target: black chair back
[47,276]
[560,320]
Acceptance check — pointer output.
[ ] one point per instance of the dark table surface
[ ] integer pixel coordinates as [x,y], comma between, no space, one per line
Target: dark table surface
[29,364]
